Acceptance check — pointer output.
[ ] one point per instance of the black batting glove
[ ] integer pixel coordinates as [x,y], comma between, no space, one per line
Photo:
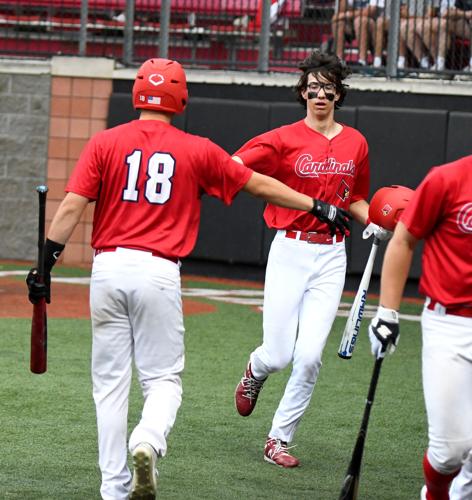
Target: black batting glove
[38,288]
[336,218]
[384,332]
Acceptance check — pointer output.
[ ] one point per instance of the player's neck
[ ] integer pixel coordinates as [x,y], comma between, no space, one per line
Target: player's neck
[324,125]
[147,114]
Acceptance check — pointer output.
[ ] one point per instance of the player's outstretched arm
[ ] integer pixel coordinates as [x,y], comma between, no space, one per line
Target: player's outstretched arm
[277,193]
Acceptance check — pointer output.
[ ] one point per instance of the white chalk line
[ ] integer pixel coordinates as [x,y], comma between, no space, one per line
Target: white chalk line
[245,297]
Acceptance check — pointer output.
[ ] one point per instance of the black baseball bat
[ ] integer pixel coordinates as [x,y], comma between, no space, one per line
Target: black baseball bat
[39,323]
[351,480]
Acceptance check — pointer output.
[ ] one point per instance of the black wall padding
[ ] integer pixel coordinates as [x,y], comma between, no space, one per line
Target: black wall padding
[347,116]
[120,110]
[267,237]
[231,234]
[283,113]
[459,136]
[228,123]
[404,143]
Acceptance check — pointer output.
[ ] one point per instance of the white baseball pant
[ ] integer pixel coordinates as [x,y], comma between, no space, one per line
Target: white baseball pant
[447,374]
[461,486]
[136,309]
[303,287]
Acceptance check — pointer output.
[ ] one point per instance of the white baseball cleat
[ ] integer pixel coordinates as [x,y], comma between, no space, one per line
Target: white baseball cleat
[423,493]
[144,484]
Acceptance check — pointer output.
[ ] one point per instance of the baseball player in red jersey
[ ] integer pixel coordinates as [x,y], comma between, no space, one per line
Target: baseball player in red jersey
[147,178]
[440,213]
[307,261]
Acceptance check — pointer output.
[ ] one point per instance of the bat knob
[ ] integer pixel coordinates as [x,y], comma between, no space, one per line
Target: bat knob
[42,189]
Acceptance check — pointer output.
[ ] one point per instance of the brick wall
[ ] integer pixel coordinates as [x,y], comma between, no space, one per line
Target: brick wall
[79,108]
[48,111]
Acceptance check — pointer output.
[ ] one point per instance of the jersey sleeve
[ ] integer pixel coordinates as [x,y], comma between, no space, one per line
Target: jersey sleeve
[362,181]
[424,209]
[219,175]
[261,153]
[85,179]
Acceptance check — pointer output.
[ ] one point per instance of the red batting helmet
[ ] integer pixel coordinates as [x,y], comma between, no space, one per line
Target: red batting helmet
[160,85]
[387,205]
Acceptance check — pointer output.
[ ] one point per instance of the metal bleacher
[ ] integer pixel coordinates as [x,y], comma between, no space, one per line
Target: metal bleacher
[207,33]
[210,34]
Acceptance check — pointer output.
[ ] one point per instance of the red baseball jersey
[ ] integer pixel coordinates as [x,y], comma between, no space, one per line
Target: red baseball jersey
[440,212]
[334,170]
[147,178]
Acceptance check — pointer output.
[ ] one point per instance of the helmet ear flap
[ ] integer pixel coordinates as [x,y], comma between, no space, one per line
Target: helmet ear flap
[387,205]
[160,85]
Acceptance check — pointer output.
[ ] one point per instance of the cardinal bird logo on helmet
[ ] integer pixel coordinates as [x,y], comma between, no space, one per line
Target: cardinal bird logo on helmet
[386,209]
[387,205]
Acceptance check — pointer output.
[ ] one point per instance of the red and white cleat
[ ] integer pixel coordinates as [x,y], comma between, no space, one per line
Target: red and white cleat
[247,392]
[276,452]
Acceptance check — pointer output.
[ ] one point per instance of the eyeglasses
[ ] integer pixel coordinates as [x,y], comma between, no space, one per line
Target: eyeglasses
[317,86]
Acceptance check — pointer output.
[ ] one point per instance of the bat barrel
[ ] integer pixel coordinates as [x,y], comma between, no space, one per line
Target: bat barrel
[39,336]
[38,357]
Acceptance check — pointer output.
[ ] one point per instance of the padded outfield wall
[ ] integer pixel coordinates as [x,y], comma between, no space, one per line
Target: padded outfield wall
[410,126]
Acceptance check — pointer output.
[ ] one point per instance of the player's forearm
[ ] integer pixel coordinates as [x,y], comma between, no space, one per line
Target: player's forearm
[67,217]
[396,266]
[277,193]
[360,211]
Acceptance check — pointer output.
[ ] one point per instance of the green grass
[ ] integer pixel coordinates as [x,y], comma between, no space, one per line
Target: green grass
[59,270]
[48,433]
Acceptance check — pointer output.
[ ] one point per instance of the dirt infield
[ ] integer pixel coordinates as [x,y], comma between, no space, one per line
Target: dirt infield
[68,301]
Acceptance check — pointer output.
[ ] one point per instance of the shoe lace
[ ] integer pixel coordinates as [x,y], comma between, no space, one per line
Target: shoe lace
[252,387]
[279,446]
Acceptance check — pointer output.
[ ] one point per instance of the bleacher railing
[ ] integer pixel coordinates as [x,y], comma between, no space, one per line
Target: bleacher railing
[379,37]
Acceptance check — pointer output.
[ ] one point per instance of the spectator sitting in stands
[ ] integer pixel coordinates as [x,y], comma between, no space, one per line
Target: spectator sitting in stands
[455,20]
[352,20]
[380,11]
[416,30]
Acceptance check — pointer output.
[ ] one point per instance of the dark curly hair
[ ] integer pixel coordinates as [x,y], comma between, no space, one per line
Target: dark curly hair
[327,65]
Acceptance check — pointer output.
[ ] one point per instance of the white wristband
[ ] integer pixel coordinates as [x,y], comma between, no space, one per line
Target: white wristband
[387,314]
